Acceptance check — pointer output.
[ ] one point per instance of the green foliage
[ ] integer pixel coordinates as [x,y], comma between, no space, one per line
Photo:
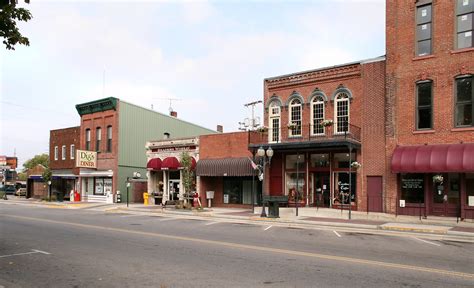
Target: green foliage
[9,15]
[22,176]
[188,173]
[47,175]
[42,159]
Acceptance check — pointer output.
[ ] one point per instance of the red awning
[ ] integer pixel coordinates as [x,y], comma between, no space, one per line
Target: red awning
[154,164]
[193,163]
[433,158]
[170,163]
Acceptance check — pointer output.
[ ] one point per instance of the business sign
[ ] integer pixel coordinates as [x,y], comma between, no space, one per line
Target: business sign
[86,159]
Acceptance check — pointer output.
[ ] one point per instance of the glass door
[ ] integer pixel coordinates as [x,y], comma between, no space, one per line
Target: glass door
[446,196]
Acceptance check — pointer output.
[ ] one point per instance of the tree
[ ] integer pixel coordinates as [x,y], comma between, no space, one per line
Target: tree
[22,176]
[188,175]
[42,159]
[9,14]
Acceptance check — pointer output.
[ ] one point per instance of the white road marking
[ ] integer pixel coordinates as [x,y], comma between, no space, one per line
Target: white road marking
[432,243]
[211,223]
[336,233]
[268,227]
[34,251]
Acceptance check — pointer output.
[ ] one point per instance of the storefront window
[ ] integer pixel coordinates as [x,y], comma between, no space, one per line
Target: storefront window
[412,187]
[470,190]
[292,185]
[343,189]
[99,186]
[295,160]
[319,160]
[239,190]
[341,160]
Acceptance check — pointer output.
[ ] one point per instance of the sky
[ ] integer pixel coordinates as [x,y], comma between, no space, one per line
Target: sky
[210,55]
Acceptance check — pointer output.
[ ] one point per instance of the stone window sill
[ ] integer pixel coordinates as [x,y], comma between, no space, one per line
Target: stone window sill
[462,129]
[463,50]
[424,132]
[418,58]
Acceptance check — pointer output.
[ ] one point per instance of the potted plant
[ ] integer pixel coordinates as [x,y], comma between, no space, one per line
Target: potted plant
[326,123]
[438,179]
[292,125]
[262,129]
[355,165]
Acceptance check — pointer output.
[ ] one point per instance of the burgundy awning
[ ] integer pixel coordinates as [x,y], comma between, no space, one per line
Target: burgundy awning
[433,158]
[170,163]
[154,164]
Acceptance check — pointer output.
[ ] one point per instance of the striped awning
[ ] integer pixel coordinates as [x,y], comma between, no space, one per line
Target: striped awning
[224,167]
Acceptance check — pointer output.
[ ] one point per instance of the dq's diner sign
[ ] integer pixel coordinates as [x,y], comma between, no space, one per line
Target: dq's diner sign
[86,159]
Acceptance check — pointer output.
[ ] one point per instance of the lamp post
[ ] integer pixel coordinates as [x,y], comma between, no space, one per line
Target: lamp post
[49,190]
[297,182]
[265,157]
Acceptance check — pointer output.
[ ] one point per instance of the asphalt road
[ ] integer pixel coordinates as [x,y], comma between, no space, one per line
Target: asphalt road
[45,247]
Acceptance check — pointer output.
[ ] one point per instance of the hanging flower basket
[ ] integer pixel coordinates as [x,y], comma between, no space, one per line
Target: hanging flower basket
[355,165]
[292,125]
[438,179]
[326,123]
[262,129]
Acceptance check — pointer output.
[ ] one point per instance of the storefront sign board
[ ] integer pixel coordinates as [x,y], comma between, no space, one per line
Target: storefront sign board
[86,159]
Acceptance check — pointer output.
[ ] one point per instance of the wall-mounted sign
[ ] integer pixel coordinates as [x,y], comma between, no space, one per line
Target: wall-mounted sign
[86,159]
[172,149]
[226,198]
[412,183]
[402,203]
[471,201]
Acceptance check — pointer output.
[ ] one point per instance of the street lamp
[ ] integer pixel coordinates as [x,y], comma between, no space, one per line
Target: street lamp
[265,157]
[49,190]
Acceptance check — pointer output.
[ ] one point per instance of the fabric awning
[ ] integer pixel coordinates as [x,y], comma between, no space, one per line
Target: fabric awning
[154,164]
[224,167]
[193,163]
[433,158]
[170,163]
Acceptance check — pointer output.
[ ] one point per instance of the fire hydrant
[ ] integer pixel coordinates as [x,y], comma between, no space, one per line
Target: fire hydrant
[145,198]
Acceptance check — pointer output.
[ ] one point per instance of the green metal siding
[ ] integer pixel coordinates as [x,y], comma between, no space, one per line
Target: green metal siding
[137,125]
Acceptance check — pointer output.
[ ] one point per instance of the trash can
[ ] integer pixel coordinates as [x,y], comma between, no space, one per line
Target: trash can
[273,209]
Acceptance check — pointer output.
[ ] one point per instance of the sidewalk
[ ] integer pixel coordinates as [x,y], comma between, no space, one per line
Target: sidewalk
[307,217]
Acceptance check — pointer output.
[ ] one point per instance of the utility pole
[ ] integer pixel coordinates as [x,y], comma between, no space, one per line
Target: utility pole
[251,123]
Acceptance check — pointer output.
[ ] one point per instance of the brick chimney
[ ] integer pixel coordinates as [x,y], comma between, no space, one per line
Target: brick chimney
[174,114]
[220,128]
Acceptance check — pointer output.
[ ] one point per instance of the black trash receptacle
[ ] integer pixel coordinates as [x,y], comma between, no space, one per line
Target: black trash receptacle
[59,196]
[273,209]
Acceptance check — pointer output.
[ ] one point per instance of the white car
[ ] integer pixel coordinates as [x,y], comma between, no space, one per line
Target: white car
[20,192]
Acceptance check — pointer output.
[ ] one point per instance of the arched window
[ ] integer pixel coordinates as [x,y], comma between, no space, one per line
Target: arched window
[274,122]
[295,117]
[342,112]
[317,115]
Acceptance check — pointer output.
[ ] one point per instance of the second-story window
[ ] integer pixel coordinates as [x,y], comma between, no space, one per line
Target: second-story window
[88,139]
[98,137]
[342,105]
[109,139]
[424,105]
[73,151]
[56,153]
[63,152]
[423,30]
[295,117]
[317,114]
[464,101]
[274,122]
[464,23]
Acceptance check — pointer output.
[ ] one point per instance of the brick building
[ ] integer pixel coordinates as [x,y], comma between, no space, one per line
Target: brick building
[62,159]
[118,132]
[311,162]
[429,107]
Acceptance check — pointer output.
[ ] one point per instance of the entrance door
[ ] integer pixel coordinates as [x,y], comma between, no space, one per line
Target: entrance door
[174,189]
[322,190]
[446,196]
[374,194]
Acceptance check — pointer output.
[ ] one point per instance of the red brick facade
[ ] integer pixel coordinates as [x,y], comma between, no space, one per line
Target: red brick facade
[404,69]
[58,138]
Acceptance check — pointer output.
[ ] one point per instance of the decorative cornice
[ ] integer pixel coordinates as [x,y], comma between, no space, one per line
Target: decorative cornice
[353,70]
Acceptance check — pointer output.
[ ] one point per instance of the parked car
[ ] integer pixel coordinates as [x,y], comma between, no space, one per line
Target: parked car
[9,189]
[20,192]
